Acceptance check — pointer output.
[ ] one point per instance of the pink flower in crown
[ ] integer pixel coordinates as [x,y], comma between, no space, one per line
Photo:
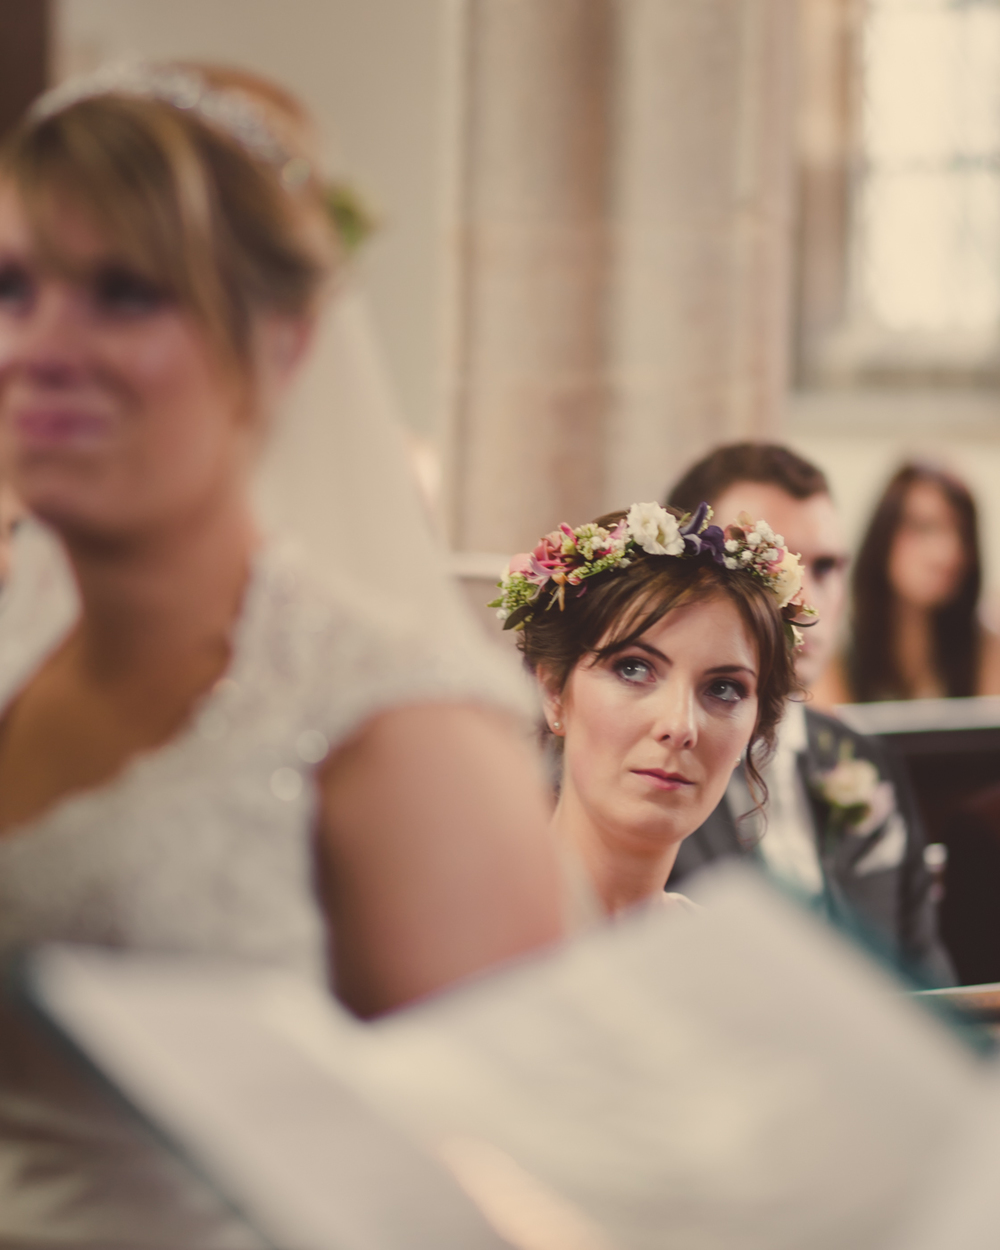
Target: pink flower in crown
[544,563]
[617,536]
[798,611]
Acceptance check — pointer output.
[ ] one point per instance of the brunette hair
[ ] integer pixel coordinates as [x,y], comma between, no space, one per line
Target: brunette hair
[770,464]
[184,202]
[616,609]
[873,670]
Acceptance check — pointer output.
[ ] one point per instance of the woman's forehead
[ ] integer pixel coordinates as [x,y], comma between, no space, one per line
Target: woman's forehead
[59,231]
[928,499]
[710,624]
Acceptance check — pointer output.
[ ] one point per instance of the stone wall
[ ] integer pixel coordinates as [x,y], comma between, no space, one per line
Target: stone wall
[626,239]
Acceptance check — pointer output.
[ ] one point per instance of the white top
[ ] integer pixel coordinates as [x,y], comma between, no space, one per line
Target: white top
[789,844]
[202,846]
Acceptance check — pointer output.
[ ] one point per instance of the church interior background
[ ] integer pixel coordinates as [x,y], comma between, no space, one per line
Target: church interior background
[614,232]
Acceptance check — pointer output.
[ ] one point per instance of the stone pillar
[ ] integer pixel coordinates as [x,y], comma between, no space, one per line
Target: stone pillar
[530,392]
[703,233]
[625,234]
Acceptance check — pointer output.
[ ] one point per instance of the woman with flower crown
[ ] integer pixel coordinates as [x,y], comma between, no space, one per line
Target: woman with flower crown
[663,649]
[181,716]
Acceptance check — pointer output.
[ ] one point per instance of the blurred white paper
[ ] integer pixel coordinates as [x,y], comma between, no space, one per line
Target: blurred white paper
[736,1080]
[305,1161]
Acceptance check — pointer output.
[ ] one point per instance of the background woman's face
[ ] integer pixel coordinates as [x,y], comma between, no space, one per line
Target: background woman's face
[653,733]
[116,412]
[927,560]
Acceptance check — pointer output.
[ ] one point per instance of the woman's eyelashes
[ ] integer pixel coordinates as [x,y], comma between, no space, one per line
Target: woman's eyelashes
[727,690]
[638,670]
[119,292]
[15,285]
[634,669]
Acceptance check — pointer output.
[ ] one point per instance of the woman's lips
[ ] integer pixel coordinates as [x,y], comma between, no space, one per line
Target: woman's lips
[58,427]
[663,780]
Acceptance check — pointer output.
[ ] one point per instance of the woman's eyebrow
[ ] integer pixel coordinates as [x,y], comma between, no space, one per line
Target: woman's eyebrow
[644,646]
[732,668]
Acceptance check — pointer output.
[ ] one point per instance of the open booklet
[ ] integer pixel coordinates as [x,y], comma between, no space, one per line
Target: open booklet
[734,1079]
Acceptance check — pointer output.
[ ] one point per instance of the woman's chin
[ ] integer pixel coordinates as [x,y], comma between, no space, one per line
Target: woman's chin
[69,513]
[658,825]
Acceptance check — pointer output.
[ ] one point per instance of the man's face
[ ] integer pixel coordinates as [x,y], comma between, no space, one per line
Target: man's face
[811,528]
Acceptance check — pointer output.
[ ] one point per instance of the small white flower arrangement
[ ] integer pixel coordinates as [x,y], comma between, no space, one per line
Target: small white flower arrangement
[857,795]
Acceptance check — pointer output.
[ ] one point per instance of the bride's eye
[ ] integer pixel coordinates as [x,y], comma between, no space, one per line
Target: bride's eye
[120,292]
[15,285]
[727,690]
[630,668]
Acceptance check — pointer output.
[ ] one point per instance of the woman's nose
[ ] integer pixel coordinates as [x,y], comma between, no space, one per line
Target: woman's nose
[675,715]
[46,341]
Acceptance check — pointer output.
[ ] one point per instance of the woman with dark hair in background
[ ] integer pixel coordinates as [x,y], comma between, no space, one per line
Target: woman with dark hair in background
[916,584]
[663,651]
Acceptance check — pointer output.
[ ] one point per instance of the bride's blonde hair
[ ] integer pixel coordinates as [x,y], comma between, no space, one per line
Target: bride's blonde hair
[186,204]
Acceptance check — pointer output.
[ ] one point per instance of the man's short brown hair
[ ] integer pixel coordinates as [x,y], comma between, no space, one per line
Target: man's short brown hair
[771,464]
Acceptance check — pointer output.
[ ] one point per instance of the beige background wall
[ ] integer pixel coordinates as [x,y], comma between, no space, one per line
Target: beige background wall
[378,75]
[683,233]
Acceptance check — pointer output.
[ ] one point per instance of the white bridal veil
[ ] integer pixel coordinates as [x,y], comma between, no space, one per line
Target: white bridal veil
[336,475]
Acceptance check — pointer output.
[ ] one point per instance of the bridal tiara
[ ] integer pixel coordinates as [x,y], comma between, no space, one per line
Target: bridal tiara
[228,110]
[565,559]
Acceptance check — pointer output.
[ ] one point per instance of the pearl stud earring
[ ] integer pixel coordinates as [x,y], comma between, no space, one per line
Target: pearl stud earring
[557,724]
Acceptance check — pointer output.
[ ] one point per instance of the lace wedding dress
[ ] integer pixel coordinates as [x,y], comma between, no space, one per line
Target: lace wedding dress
[200,846]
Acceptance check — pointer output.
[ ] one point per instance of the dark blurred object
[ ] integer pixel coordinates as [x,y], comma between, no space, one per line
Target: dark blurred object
[951,751]
[24,56]
[970,914]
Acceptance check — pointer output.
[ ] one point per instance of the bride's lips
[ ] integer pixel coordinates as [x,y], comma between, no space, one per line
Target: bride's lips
[663,780]
[58,427]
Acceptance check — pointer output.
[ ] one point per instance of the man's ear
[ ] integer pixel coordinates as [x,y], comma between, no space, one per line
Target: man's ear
[552,702]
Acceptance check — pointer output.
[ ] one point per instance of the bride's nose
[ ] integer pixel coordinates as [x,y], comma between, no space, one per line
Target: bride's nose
[48,345]
[676,714]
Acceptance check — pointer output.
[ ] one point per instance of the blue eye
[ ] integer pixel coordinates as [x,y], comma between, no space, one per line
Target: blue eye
[633,670]
[727,690]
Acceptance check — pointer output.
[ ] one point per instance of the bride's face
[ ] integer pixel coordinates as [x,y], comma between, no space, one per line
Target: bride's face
[654,731]
[117,411]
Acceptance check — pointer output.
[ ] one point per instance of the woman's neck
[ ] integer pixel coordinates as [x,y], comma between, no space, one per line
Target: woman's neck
[623,870]
[157,598]
[914,632]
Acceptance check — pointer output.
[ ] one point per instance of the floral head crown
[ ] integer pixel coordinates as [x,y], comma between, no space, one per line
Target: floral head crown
[565,559]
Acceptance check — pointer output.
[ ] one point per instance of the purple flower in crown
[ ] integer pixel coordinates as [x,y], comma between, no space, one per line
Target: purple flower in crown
[700,537]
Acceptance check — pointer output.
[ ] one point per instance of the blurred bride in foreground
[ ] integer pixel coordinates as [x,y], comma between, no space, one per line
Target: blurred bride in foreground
[172,733]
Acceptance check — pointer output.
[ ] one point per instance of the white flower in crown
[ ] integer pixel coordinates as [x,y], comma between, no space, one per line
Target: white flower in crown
[654,529]
[787,577]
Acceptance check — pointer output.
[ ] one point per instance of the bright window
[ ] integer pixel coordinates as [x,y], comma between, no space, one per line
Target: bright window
[926,233]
